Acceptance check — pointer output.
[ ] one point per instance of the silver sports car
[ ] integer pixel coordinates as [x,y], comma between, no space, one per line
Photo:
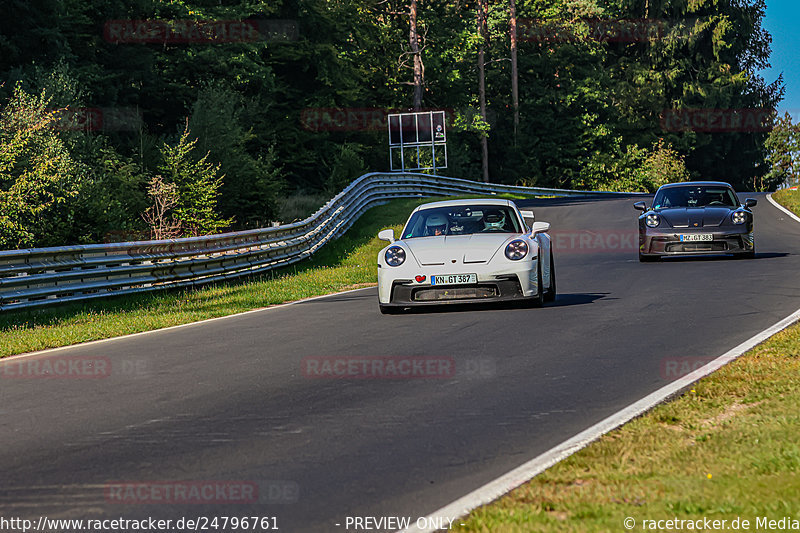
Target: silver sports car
[699,217]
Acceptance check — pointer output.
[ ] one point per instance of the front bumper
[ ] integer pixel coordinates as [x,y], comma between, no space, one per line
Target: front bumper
[498,280]
[666,242]
[406,293]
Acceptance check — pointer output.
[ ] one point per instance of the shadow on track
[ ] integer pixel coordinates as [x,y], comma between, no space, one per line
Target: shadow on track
[562,300]
[721,257]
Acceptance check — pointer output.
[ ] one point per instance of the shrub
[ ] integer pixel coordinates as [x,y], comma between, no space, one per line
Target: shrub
[37,172]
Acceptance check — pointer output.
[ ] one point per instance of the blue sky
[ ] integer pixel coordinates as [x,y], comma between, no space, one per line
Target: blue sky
[782,23]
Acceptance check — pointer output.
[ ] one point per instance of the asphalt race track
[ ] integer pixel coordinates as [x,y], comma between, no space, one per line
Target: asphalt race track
[232,402]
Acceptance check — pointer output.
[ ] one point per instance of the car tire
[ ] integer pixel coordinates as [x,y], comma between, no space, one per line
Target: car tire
[550,295]
[390,309]
[648,258]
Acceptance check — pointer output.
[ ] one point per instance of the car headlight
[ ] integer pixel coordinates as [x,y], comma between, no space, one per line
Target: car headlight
[395,256]
[652,220]
[739,217]
[516,250]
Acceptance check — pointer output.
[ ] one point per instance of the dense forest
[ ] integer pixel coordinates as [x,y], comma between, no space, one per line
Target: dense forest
[131,118]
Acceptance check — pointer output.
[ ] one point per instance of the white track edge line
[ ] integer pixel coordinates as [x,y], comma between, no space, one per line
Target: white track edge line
[524,473]
[177,326]
[779,206]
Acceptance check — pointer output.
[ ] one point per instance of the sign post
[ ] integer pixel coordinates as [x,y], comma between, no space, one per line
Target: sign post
[417,141]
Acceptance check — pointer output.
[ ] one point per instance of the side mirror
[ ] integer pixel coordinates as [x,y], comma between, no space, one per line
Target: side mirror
[527,218]
[540,227]
[386,235]
[641,206]
[750,202]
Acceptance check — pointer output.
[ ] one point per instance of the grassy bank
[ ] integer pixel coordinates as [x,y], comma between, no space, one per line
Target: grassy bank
[348,262]
[788,199]
[297,207]
[727,449]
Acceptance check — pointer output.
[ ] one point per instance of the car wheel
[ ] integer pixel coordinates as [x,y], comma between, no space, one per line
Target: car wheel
[648,258]
[551,292]
[390,309]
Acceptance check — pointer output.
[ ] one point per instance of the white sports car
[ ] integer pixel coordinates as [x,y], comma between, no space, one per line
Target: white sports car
[462,251]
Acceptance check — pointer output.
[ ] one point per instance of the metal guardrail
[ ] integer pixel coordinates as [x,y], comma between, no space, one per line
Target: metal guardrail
[45,276]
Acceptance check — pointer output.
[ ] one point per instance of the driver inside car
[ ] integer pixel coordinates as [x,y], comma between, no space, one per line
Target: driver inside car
[436,225]
[494,220]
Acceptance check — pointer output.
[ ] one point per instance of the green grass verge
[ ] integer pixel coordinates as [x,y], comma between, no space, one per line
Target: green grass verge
[348,262]
[788,199]
[727,449]
[299,206]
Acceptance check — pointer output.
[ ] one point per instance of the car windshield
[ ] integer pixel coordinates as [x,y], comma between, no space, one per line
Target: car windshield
[695,196]
[462,220]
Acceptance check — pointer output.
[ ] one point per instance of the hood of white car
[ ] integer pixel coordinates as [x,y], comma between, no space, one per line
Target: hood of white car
[475,248]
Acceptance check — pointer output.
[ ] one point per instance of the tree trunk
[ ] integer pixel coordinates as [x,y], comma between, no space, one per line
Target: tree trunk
[419,68]
[482,30]
[512,28]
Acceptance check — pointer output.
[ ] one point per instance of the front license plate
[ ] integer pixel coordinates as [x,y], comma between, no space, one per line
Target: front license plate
[454,279]
[695,237]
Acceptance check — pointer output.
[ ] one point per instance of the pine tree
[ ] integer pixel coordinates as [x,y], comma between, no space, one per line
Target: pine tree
[198,183]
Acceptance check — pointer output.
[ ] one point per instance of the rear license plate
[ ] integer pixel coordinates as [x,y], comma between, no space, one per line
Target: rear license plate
[697,237]
[454,279]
